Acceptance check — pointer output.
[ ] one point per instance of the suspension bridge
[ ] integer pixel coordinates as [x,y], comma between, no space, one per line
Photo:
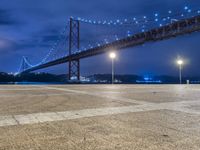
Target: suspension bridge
[140,31]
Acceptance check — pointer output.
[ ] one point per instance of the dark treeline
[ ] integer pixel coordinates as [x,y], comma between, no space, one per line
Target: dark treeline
[32,77]
[97,78]
[134,78]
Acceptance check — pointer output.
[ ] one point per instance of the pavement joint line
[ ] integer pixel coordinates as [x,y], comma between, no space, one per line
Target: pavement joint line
[17,121]
[34,95]
[21,89]
[35,118]
[117,98]
[100,95]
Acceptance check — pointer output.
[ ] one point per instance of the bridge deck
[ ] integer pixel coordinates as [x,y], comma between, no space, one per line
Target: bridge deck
[174,29]
[100,117]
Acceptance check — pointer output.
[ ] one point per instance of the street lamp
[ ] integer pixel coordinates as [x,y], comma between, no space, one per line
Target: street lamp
[180,63]
[112,56]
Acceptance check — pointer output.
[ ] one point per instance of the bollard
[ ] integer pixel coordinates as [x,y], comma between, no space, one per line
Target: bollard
[188,81]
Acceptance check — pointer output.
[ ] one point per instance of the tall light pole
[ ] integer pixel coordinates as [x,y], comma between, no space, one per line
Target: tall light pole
[112,56]
[180,63]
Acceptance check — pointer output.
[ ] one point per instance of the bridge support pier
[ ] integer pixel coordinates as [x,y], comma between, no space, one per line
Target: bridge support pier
[74,45]
[74,70]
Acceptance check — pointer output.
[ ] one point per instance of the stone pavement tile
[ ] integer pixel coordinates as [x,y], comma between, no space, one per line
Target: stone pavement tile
[26,119]
[150,130]
[15,137]
[144,129]
[28,105]
[7,121]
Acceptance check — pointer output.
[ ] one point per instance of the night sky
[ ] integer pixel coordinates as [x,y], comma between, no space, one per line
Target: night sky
[30,27]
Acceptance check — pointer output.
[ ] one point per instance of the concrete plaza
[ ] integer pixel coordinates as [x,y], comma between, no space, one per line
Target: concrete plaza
[100,117]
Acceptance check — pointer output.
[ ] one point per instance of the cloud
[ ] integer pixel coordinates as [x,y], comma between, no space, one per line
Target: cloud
[7,45]
[5,18]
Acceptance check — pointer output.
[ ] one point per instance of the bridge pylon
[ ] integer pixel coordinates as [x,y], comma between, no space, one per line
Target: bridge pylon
[24,64]
[74,45]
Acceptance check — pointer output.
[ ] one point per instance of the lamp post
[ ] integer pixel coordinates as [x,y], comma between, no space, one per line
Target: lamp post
[180,63]
[112,56]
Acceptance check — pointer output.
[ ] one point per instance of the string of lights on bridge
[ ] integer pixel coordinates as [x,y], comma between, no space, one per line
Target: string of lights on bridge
[141,20]
[54,46]
[52,49]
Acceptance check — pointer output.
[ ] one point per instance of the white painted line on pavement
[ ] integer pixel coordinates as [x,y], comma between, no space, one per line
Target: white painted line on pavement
[33,95]
[67,115]
[77,114]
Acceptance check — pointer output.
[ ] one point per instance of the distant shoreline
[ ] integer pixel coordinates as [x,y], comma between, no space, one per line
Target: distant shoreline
[46,78]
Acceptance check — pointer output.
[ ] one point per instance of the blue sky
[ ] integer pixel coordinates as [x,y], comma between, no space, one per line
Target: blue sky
[30,27]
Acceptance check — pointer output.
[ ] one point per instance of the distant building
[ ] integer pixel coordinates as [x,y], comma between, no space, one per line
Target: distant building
[149,79]
[84,79]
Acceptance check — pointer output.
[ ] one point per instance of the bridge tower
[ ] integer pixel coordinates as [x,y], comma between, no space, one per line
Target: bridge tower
[74,45]
[24,64]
